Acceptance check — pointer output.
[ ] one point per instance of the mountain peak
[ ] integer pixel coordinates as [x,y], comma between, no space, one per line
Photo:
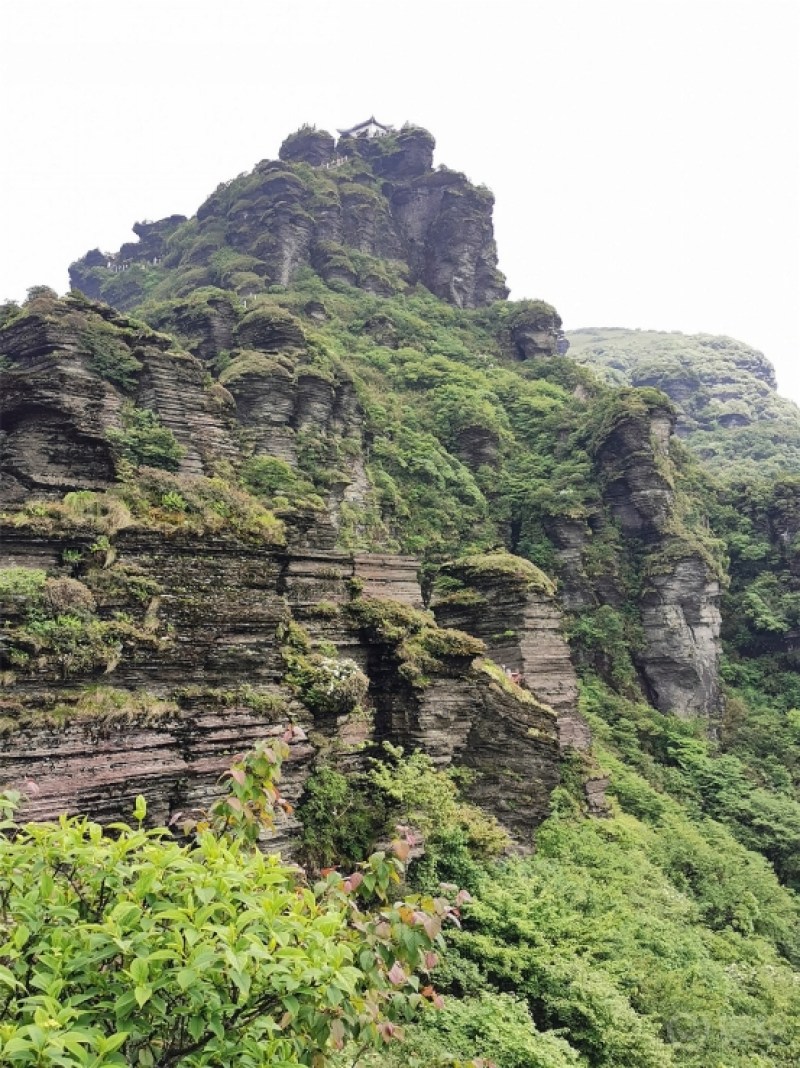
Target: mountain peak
[367,210]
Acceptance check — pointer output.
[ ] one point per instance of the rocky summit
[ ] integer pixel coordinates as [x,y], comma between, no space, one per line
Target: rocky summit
[365,211]
[296,468]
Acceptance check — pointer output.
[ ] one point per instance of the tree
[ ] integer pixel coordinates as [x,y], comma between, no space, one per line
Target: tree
[125,946]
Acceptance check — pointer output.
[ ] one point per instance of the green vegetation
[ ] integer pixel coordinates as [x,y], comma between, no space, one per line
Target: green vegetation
[196,505]
[504,566]
[648,938]
[420,647]
[110,356]
[21,583]
[665,934]
[97,705]
[344,815]
[144,441]
[726,785]
[275,481]
[152,498]
[604,640]
[55,627]
[729,413]
[326,685]
[132,948]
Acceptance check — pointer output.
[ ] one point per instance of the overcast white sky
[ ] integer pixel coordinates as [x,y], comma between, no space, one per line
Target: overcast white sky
[645,154]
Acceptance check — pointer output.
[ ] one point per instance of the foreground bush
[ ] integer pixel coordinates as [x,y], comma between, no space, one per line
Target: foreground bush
[124,946]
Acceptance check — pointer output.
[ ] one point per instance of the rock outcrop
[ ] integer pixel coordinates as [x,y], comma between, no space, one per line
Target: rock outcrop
[534,329]
[429,695]
[511,606]
[364,202]
[167,724]
[77,375]
[70,370]
[680,596]
[724,393]
[308,145]
[209,516]
[681,623]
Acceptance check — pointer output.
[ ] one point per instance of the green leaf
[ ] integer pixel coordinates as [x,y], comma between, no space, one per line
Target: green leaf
[242,982]
[292,1004]
[16,1045]
[21,935]
[333,996]
[142,992]
[113,1042]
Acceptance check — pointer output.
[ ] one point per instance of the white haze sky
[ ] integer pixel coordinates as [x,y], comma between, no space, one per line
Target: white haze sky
[645,154]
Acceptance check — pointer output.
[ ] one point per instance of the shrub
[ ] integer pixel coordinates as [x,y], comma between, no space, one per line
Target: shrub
[21,583]
[132,948]
[342,816]
[326,685]
[67,595]
[144,441]
[109,355]
[420,647]
[102,511]
[198,505]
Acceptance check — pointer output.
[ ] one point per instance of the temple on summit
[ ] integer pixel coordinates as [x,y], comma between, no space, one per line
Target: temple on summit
[370,128]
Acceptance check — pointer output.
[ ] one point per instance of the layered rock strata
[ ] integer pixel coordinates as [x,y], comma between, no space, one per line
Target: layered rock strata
[71,368]
[518,618]
[680,585]
[167,726]
[380,199]
[511,607]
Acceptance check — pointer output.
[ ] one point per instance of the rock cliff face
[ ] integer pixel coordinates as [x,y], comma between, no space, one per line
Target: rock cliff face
[155,650]
[681,623]
[77,376]
[342,210]
[211,519]
[70,370]
[166,724]
[512,607]
[680,595]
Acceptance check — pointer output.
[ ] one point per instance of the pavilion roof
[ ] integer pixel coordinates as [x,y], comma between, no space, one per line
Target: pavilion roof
[371,121]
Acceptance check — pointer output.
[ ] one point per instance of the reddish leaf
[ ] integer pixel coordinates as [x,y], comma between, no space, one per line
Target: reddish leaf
[389,1030]
[337,1034]
[352,882]
[433,926]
